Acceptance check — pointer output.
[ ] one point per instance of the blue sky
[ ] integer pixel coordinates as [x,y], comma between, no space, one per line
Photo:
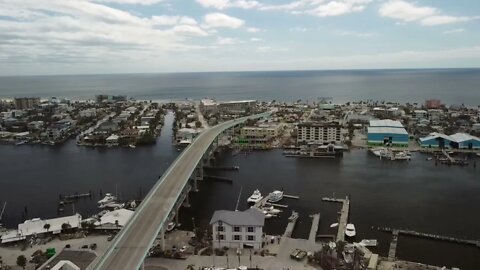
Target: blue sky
[135,36]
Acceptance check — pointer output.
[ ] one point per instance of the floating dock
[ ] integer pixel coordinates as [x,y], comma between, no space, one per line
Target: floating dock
[291,224]
[392,251]
[313,230]
[76,196]
[342,224]
[431,236]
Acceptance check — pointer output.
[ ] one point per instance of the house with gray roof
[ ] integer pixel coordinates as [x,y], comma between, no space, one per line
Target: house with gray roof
[235,229]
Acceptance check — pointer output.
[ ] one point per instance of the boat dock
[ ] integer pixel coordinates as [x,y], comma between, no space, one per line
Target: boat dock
[291,224]
[431,236]
[76,196]
[225,168]
[392,251]
[314,228]
[451,159]
[291,196]
[264,201]
[342,224]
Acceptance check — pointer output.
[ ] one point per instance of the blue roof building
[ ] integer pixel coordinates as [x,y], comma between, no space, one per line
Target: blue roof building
[436,140]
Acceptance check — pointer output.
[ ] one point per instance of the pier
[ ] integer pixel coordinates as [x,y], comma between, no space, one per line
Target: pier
[314,228]
[292,220]
[264,201]
[225,168]
[392,251]
[76,196]
[342,223]
[431,236]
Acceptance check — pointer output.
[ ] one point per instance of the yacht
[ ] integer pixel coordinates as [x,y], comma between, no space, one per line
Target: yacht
[132,146]
[256,197]
[271,210]
[275,196]
[350,232]
[107,199]
[171,226]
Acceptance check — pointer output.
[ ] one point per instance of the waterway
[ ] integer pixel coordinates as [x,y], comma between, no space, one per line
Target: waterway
[416,195]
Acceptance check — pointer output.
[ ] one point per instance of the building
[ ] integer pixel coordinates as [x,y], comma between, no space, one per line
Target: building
[435,140]
[387,136]
[239,106]
[235,229]
[36,226]
[112,140]
[114,220]
[319,133]
[26,103]
[208,106]
[386,123]
[259,136]
[420,114]
[433,103]
[465,141]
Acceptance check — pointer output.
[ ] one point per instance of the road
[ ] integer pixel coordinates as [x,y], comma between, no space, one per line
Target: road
[130,246]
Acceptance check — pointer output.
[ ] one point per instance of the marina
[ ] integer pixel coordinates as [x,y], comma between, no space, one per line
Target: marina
[343,219]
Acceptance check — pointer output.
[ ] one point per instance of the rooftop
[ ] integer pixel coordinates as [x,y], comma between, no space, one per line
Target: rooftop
[250,217]
[386,123]
[387,130]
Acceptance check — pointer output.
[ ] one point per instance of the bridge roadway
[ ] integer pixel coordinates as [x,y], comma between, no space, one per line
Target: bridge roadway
[130,246]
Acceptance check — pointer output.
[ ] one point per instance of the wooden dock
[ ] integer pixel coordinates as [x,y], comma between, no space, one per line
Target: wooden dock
[431,236]
[342,223]
[392,251]
[313,230]
[76,196]
[263,202]
[291,225]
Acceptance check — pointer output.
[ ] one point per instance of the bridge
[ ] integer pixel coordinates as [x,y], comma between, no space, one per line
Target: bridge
[131,245]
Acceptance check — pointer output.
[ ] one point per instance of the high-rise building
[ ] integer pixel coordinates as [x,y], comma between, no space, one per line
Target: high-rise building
[26,102]
[432,103]
[318,133]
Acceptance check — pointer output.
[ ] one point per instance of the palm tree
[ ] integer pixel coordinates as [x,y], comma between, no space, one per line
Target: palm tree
[46,226]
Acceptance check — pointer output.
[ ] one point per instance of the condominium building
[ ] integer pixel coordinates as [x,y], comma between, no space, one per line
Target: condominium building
[319,133]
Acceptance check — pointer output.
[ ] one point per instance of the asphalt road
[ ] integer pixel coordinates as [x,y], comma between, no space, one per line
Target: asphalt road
[130,246]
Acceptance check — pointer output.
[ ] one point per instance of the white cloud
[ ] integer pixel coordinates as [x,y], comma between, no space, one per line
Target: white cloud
[189,30]
[425,15]
[454,31]
[131,2]
[172,20]
[339,7]
[299,29]
[405,11]
[253,30]
[226,41]
[218,20]
[256,39]
[356,34]
[224,4]
[263,49]
[442,19]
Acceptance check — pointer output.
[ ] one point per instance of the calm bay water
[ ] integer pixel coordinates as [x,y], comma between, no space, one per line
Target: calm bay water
[415,195]
[453,86]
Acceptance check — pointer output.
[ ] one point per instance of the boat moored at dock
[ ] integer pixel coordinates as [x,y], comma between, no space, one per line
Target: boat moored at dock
[255,197]
[275,196]
[350,231]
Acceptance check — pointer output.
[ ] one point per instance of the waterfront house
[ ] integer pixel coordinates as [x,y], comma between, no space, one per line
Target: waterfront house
[235,229]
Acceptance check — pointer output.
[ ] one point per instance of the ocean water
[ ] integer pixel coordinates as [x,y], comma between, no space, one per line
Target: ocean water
[452,86]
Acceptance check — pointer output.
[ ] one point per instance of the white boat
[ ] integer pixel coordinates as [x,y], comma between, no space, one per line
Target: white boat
[132,146]
[275,196]
[171,226]
[350,232]
[112,205]
[403,155]
[107,199]
[379,152]
[369,242]
[269,215]
[256,197]
[271,210]
[334,225]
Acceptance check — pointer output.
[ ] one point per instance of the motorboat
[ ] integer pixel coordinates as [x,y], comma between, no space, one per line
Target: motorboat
[256,197]
[275,196]
[293,217]
[107,199]
[271,210]
[369,242]
[403,155]
[269,215]
[380,152]
[132,146]
[350,232]
[334,225]
[171,226]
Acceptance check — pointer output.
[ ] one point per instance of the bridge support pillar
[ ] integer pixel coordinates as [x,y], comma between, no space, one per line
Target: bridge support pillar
[162,236]
[176,215]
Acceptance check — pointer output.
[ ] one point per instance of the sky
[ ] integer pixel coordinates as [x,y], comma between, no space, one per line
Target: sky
[44,37]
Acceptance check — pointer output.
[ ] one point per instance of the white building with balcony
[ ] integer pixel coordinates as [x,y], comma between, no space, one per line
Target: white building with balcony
[235,229]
